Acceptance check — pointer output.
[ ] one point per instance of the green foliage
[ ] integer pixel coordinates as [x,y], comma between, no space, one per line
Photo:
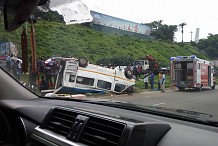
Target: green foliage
[58,39]
[49,16]
[116,61]
[209,46]
[163,31]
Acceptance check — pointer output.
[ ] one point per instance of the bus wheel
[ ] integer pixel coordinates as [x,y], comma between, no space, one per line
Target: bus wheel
[83,62]
[128,74]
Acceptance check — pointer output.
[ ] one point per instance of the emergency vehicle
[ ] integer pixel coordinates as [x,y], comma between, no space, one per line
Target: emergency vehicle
[78,76]
[191,72]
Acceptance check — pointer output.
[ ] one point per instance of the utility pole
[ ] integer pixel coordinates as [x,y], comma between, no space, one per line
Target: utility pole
[191,35]
[33,43]
[182,25]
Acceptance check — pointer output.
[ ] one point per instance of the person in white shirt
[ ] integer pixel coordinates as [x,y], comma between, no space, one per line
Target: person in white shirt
[146,81]
[19,67]
[163,82]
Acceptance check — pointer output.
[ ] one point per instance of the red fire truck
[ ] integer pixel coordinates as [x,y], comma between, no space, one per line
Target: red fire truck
[191,72]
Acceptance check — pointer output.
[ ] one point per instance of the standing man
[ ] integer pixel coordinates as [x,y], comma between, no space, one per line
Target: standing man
[135,73]
[163,82]
[8,63]
[146,81]
[152,80]
[48,74]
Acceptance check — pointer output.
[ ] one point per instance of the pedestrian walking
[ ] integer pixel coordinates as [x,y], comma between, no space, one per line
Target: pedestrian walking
[152,80]
[163,82]
[146,81]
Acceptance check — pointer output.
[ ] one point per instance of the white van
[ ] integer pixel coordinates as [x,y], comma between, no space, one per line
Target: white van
[78,76]
[143,63]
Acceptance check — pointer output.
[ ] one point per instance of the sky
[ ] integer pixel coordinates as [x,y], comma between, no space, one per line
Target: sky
[201,14]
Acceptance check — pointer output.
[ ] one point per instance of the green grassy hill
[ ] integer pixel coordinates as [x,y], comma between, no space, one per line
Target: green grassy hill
[75,40]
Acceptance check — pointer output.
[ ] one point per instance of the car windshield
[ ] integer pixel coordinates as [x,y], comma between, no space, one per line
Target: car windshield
[151,53]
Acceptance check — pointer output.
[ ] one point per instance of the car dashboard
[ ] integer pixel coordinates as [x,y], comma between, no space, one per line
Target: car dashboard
[51,122]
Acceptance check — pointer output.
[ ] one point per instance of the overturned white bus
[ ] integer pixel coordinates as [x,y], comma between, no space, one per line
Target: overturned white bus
[78,76]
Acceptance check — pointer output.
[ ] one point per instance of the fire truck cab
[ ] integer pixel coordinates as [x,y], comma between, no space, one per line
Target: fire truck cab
[191,72]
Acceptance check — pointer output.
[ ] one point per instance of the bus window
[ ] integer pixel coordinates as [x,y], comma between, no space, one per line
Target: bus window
[85,81]
[119,87]
[72,78]
[104,85]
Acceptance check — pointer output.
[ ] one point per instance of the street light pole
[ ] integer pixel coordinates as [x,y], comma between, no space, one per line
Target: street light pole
[191,35]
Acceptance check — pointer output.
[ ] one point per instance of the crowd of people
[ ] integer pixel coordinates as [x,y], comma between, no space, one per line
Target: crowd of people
[44,77]
[137,71]
[150,79]
[46,73]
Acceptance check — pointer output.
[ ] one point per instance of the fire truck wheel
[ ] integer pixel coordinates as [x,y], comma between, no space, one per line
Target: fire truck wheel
[83,62]
[128,74]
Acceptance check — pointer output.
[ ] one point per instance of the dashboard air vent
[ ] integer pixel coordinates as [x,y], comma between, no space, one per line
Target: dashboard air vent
[60,121]
[102,132]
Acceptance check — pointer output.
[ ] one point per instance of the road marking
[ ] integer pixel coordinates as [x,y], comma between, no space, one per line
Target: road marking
[158,104]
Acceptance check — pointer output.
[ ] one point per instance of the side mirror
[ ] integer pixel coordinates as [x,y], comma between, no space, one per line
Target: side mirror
[16,12]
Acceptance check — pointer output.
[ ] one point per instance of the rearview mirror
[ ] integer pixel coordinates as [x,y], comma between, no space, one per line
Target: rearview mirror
[16,12]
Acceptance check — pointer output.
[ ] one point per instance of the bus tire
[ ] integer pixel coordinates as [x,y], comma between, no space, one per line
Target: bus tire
[83,62]
[128,73]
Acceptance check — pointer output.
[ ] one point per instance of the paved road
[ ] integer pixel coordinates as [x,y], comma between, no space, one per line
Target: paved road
[205,101]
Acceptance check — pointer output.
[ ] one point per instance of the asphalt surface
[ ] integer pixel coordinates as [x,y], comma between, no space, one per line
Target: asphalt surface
[205,101]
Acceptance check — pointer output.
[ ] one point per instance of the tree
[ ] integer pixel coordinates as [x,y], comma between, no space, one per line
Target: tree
[182,25]
[209,45]
[156,24]
[115,61]
[49,15]
[163,31]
